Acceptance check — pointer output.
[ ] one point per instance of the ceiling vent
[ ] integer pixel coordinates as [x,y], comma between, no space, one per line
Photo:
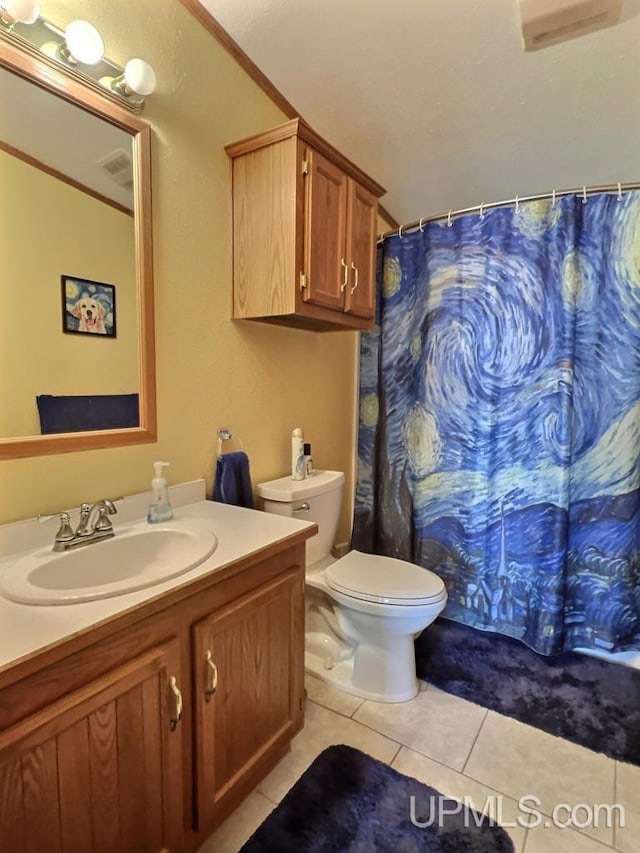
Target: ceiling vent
[119,166]
[546,22]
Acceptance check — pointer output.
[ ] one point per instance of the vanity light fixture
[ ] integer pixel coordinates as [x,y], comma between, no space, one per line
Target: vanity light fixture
[19,12]
[82,43]
[138,78]
[78,51]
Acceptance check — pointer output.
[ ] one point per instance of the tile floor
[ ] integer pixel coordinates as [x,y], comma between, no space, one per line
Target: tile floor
[462,750]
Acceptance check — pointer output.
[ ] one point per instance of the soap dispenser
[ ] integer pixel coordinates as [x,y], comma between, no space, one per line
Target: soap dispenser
[159,508]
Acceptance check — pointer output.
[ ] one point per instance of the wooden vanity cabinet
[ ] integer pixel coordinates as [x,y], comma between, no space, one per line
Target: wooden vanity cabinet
[95,752]
[100,769]
[248,698]
[304,232]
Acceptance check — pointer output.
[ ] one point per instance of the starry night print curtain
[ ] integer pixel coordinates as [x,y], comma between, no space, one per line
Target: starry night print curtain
[499,437]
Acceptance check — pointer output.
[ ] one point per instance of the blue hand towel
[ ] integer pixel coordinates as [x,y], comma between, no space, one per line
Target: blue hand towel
[233,482]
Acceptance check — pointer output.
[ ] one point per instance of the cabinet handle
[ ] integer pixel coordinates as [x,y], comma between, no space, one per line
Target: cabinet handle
[178,697]
[346,275]
[355,269]
[212,672]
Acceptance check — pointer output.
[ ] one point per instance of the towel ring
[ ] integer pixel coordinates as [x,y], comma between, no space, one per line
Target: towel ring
[225,435]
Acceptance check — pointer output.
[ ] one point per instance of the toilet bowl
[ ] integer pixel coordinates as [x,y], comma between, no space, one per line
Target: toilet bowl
[363,611]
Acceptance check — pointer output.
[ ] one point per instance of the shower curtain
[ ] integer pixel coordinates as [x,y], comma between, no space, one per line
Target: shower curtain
[499,435]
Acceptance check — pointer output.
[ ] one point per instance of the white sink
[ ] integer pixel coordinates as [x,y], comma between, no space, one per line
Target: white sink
[135,558]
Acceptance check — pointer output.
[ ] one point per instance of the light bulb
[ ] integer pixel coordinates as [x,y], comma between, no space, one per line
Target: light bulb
[140,77]
[84,42]
[22,11]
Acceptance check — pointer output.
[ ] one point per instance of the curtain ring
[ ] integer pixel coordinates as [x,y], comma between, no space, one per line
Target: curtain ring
[400,232]
[449,219]
[584,195]
[619,191]
[553,199]
[420,223]
[380,240]
[517,205]
[481,210]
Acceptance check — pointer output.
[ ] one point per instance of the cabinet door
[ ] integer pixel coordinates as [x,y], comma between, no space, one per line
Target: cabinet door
[325,259]
[100,770]
[361,251]
[249,686]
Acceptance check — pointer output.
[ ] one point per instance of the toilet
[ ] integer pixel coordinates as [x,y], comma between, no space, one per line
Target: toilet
[363,611]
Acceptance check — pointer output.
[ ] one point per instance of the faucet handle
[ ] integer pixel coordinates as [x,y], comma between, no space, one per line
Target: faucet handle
[65,531]
[105,509]
[58,516]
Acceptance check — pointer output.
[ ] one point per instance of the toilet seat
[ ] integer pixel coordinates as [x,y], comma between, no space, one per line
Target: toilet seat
[384,580]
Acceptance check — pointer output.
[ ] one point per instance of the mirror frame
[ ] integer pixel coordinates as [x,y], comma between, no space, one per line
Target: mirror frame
[40,74]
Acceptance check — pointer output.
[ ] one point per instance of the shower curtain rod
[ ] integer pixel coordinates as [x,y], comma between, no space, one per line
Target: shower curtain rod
[417,225]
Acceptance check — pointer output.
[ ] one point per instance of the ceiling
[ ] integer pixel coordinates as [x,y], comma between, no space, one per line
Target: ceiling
[438,101]
[62,136]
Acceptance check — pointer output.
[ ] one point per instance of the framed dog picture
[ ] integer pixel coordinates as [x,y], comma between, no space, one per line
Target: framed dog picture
[88,307]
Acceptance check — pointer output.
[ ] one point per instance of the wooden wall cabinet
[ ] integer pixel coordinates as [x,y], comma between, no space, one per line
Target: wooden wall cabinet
[304,232]
[144,733]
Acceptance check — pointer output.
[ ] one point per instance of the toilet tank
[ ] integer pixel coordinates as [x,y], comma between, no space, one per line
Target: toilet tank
[321,492]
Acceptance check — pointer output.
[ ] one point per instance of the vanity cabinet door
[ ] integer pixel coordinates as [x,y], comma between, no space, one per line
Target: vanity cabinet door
[325,255]
[362,218]
[249,691]
[99,770]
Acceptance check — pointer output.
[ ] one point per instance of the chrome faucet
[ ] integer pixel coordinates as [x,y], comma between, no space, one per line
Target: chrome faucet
[94,525]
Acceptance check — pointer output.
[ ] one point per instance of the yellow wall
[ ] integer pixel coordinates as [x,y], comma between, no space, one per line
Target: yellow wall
[258,380]
[78,236]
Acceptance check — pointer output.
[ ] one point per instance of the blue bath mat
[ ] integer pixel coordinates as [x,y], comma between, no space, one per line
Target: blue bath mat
[348,802]
[589,701]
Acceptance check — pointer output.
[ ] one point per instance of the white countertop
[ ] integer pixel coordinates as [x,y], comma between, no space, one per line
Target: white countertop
[25,629]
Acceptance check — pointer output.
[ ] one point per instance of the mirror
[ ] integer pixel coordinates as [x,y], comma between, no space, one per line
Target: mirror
[76,289]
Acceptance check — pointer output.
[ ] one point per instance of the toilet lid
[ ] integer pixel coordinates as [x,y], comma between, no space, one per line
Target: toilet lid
[386,580]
